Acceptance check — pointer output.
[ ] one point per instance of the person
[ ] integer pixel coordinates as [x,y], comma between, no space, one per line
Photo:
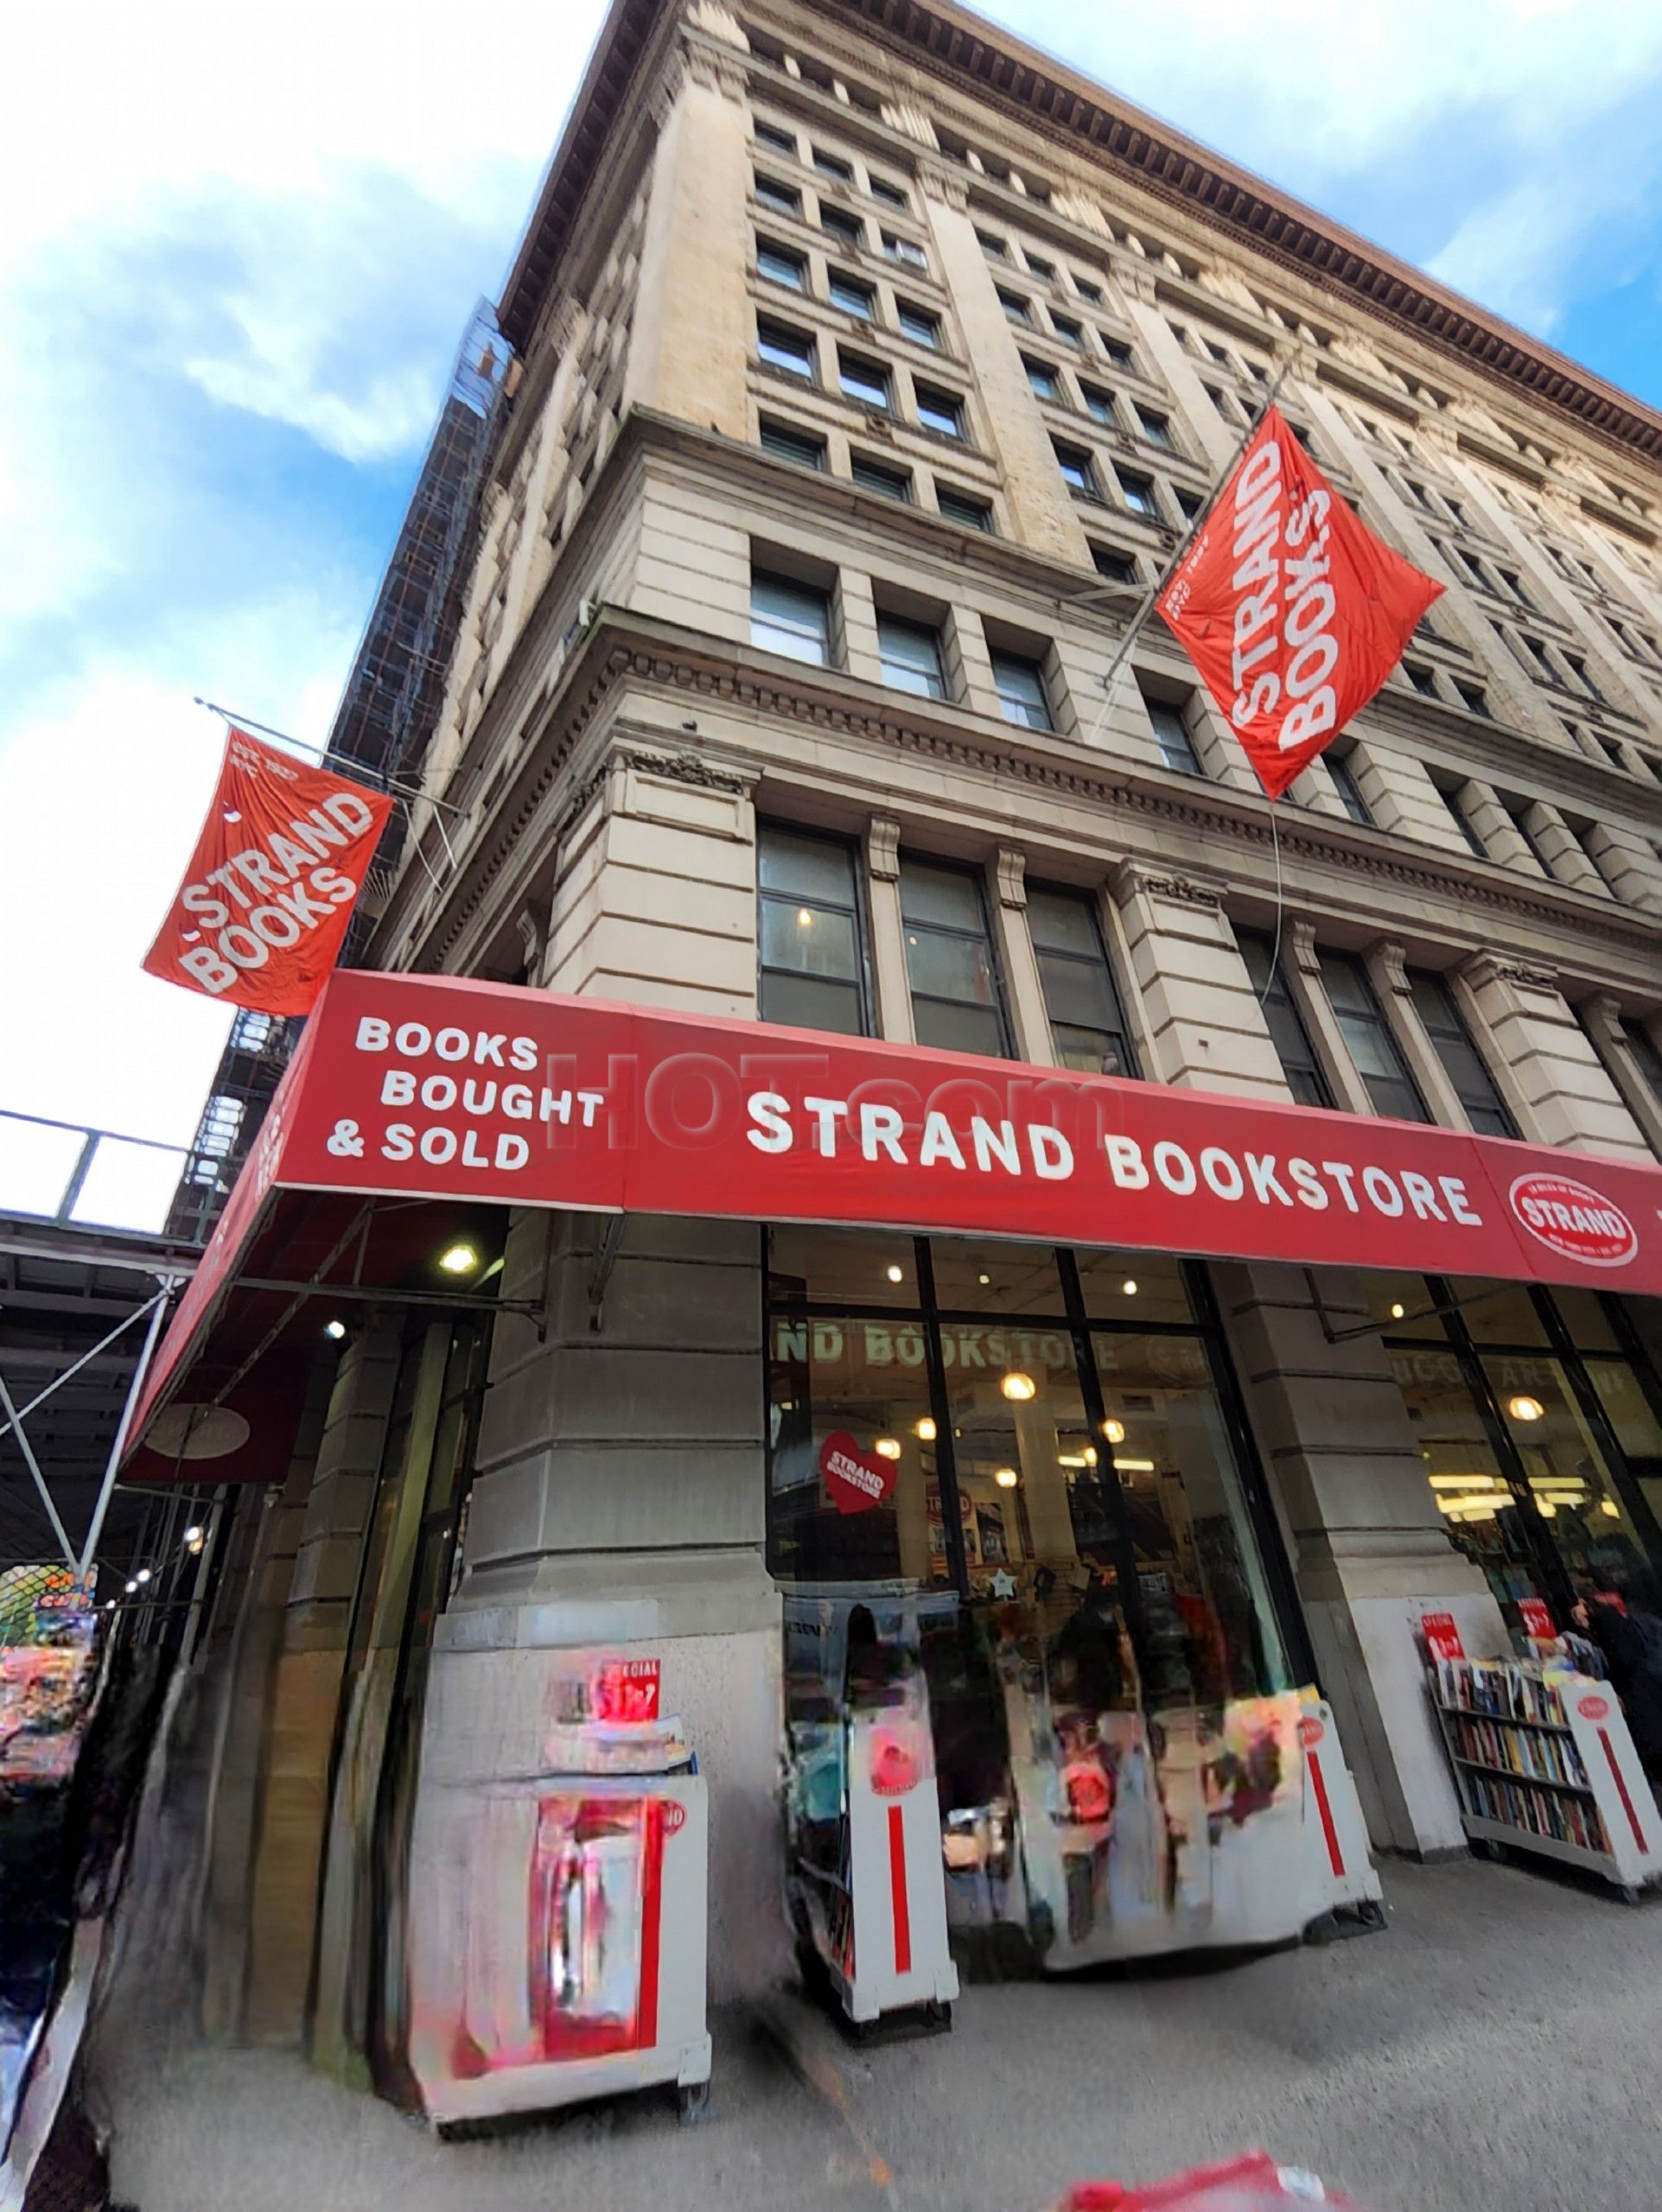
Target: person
[1631,1642]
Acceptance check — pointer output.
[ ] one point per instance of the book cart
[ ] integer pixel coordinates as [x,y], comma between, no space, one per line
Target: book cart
[1543,1762]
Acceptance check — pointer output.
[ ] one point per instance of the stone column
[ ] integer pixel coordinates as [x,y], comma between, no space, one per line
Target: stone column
[1495,830]
[1370,1551]
[1029,1017]
[1389,975]
[888,973]
[1200,1023]
[1569,1096]
[307,1688]
[1627,865]
[1602,1016]
[692,256]
[1565,856]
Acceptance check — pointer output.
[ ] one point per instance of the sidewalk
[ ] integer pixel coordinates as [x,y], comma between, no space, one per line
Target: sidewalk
[1495,2051]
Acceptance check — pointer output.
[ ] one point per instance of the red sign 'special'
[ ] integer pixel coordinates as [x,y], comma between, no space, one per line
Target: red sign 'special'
[1290,607]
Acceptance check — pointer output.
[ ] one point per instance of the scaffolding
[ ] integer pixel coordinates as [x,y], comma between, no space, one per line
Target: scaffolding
[381,729]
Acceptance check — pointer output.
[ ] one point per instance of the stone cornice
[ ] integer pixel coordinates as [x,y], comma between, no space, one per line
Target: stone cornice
[623,651]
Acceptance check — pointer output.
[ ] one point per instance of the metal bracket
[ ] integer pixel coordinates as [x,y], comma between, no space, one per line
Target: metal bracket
[611,1237]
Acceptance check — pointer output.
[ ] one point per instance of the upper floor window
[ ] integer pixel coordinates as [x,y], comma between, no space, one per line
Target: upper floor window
[910,652]
[1473,698]
[769,134]
[1042,377]
[1349,791]
[866,382]
[1138,494]
[1646,1057]
[787,442]
[1119,353]
[1373,1042]
[1282,1018]
[963,507]
[1015,307]
[941,411]
[1441,1019]
[918,324]
[1071,333]
[906,249]
[1038,264]
[1171,736]
[812,955]
[1156,428]
[790,618]
[1088,290]
[991,245]
[1079,470]
[1087,1021]
[878,476]
[890,194]
[1021,693]
[833,165]
[783,199]
[1118,568]
[780,266]
[851,295]
[837,224]
[1462,823]
[1100,405]
[956,1004]
[782,348]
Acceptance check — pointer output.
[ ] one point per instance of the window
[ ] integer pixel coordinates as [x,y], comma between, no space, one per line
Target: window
[1156,428]
[1350,793]
[1189,504]
[1088,290]
[1578,668]
[852,295]
[1042,377]
[865,382]
[1514,584]
[1456,509]
[995,248]
[1118,568]
[1138,494]
[1282,1018]
[1087,1022]
[781,347]
[1646,1058]
[1100,405]
[1021,693]
[833,165]
[890,194]
[847,229]
[1120,354]
[878,476]
[780,266]
[812,965]
[788,444]
[910,652]
[1518,817]
[963,507]
[1015,307]
[769,134]
[1038,264]
[783,199]
[941,411]
[1217,352]
[1079,471]
[906,249]
[956,1002]
[1543,660]
[1071,333]
[1473,698]
[1440,1018]
[1171,734]
[918,324]
[1423,678]
[789,617]
[1372,1044]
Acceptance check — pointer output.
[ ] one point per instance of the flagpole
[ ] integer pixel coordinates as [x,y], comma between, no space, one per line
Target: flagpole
[1146,605]
[365,773]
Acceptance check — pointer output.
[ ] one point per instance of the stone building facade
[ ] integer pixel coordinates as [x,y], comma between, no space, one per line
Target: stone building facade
[871,368]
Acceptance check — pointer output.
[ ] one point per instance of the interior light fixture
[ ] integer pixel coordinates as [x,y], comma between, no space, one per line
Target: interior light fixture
[1006,1477]
[983,1280]
[1546,1508]
[888,1447]
[458,1259]
[193,1534]
[1129,1287]
[1089,1455]
[335,1331]
[142,1575]
[1608,1507]
[1020,1388]
[1114,1431]
[924,1430]
[1397,1310]
[804,918]
[895,1273]
[1070,1458]
[1524,1408]
[1134,1466]
[131,1587]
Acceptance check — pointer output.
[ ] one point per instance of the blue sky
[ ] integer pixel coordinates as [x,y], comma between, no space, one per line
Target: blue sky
[235,256]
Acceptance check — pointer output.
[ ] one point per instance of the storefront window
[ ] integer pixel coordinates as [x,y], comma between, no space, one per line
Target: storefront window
[995,1278]
[1134,1287]
[840,1266]
[1498,1313]
[1029,1494]
[1568,1482]
[1477,1502]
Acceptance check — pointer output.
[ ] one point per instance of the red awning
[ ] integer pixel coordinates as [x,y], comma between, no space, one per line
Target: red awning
[433,1089]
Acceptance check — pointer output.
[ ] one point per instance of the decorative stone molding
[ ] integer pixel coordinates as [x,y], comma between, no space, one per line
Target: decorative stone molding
[1497,968]
[1393,966]
[717,70]
[1137,280]
[1133,878]
[531,925]
[1307,956]
[883,849]
[719,22]
[907,118]
[1010,873]
[1078,206]
[944,186]
[667,89]
[1602,1016]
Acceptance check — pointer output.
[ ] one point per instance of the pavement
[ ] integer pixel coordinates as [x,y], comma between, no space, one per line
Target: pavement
[1497,2048]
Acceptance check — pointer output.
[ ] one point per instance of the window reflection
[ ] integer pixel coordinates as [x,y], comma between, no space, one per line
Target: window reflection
[1568,1479]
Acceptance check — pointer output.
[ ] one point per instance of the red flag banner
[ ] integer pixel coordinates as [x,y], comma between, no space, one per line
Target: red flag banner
[283,853]
[1291,609]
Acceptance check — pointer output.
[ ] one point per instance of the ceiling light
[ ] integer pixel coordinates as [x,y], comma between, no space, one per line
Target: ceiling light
[1134,1466]
[1089,1455]
[804,918]
[1397,1310]
[1546,1508]
[1019,1387]
[1463,1481]
[984,1279]
[1006,1477]
[895,1274]
[458,1259]
[193,1534]
[888,1447]
[142,1575]
[109,1605]
[1609,1506]
[131,1587]
[1129,1287]
[1070,1458]
[924,1430]
[1114,1431]
[1524,1408]
[335,1329]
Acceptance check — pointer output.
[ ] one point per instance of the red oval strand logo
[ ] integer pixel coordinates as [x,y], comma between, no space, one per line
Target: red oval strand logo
[1571,1219]
[1594,1708]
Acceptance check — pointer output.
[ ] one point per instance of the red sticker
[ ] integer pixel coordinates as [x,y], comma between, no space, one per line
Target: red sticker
[1310,1731]
[1537,1620]
[1594,1708]
[856,1479]
[1574,1219]
[675,1816]
[1442,1634]
[895,1766]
